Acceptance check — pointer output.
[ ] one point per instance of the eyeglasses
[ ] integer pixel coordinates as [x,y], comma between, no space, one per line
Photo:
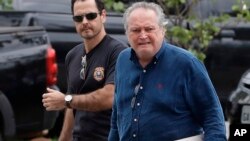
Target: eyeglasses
[89,16]
[133,100]
[84,64]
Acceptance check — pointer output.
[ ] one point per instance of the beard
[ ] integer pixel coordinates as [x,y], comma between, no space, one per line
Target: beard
[89,34]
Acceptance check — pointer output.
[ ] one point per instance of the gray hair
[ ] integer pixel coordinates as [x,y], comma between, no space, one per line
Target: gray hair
[146,5]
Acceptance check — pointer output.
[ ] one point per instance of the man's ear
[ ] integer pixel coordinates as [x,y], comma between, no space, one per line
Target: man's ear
[103,15]
[164,30]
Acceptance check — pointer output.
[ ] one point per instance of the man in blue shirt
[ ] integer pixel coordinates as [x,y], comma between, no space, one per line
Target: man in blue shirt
[162,92]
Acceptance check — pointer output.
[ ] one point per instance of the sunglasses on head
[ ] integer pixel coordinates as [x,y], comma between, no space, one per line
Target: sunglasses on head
[88,16]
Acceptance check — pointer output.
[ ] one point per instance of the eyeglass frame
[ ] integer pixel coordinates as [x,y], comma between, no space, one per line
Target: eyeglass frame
[133,100]
[84,66]
[89,16]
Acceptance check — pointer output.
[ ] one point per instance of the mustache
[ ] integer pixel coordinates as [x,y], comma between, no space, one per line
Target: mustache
[85,27]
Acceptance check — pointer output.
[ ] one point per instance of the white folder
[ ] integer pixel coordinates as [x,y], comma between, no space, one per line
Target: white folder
[193,138]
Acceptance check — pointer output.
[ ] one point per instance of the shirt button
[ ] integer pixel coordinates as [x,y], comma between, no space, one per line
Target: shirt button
[135,120]
[144,71]
[141,87]
[138,104]
[155,62]
[134,135]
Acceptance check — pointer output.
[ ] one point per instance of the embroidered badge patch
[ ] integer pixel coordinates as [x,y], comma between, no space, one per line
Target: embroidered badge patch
[99,73]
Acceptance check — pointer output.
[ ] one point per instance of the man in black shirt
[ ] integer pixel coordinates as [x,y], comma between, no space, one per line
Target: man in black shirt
[90,75]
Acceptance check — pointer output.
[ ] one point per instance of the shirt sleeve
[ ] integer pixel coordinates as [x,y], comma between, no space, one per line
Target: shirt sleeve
[204,102]
[112,61]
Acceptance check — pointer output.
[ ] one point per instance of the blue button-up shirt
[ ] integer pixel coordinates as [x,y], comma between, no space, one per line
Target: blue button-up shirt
[169,99]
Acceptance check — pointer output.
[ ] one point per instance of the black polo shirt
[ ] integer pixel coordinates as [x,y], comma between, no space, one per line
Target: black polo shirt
[92,126]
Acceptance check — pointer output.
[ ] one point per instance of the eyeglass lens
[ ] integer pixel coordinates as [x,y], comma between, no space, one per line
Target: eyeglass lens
[89,16]
[84,64]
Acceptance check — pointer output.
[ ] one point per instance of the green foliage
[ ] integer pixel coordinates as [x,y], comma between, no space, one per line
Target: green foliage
[114,6]
[199,55]
[242,10]
[180,36]
[174,3]
[5,4]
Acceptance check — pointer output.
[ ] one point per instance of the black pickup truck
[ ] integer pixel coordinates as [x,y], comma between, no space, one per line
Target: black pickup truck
[27,67]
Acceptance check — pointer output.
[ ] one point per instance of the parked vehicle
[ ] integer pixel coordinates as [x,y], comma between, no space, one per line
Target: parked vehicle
[238,109]
[228,58]
[27,67]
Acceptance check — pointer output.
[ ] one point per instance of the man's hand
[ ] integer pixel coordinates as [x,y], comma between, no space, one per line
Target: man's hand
[53,100]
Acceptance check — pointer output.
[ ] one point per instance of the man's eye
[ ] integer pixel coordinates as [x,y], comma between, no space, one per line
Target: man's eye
[135,30]
[150,29]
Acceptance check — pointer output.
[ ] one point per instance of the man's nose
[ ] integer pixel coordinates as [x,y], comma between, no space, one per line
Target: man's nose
[143,34]
[84,19]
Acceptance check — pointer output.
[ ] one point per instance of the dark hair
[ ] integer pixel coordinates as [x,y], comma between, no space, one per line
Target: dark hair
[99,4]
